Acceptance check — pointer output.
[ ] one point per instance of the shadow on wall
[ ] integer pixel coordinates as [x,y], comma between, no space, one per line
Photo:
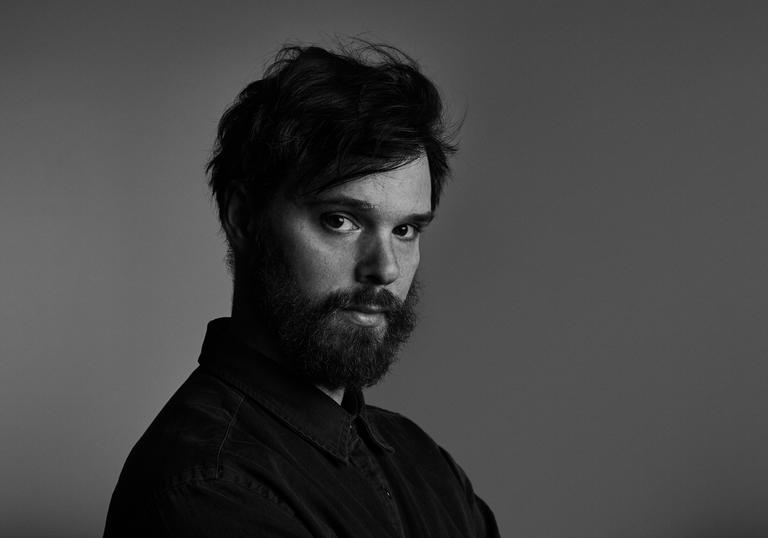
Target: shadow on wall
[728,528]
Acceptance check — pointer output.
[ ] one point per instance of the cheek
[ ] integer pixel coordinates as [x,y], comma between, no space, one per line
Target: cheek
[409,263]
[319,266]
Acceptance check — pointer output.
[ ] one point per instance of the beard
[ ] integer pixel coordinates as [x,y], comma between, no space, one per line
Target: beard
[316,339]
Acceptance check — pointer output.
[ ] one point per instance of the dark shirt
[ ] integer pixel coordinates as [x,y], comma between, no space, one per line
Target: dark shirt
[246,449]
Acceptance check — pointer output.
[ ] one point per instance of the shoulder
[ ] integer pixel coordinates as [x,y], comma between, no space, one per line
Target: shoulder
[181,470]
[183,443]
[409,438]
[391,421]
[429,466]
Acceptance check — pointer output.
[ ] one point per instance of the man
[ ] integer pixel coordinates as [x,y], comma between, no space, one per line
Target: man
[325,172]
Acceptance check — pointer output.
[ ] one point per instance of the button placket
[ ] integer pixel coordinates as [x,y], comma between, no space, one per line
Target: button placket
[364,459]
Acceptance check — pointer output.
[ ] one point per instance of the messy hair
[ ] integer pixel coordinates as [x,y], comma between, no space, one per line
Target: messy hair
[319,118]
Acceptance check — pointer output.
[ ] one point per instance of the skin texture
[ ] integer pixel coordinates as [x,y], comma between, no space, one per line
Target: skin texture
[361,234]
[332,246]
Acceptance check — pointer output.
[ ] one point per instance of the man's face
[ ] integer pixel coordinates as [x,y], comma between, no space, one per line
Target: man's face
[337,274]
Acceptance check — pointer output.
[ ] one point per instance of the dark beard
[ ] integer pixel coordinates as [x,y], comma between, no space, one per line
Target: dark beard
[316,341]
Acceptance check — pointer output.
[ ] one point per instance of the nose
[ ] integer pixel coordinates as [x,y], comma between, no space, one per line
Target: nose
[378,264]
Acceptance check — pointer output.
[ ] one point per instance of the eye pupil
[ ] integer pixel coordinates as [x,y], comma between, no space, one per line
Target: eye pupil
[402,230]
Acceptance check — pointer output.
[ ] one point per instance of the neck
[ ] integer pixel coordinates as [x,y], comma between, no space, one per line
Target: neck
[335,395]
[251,332]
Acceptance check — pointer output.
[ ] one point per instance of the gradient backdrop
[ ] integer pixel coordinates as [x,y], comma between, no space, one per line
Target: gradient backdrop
[593,344]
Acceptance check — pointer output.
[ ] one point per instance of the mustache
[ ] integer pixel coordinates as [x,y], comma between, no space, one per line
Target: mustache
[378,298]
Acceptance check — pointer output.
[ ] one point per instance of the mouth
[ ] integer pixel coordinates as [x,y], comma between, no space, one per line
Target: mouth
[366,316]
[367,309]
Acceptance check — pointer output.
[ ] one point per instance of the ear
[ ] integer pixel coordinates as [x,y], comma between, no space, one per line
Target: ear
[237,218]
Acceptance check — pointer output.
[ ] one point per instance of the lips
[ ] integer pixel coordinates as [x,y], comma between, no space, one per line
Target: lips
[366,315]
[367,309]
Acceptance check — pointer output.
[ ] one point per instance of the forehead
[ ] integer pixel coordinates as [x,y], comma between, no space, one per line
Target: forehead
[406,189]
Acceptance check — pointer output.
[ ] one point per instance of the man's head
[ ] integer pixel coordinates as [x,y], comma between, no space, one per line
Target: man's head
[325,171]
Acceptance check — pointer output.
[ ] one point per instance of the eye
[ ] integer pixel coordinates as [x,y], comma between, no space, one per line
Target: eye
[339,223]
[407,232]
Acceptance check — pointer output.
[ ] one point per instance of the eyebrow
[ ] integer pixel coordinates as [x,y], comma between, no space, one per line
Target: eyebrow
[421,219]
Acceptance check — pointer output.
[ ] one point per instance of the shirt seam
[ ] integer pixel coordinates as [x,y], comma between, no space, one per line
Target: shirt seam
[226,435]
[255,487]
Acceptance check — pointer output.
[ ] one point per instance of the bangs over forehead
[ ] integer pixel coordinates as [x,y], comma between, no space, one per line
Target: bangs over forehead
[320,118]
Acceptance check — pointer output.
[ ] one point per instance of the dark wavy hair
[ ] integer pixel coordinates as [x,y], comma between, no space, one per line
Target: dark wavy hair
[320,118]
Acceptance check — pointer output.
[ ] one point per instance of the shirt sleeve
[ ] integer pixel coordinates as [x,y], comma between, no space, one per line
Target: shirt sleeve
[482,516]
[205,510]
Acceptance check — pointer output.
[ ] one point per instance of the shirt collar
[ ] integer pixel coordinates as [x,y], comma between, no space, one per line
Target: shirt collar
[299,404]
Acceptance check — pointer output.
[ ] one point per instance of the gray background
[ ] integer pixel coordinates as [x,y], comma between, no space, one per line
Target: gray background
[593,342]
